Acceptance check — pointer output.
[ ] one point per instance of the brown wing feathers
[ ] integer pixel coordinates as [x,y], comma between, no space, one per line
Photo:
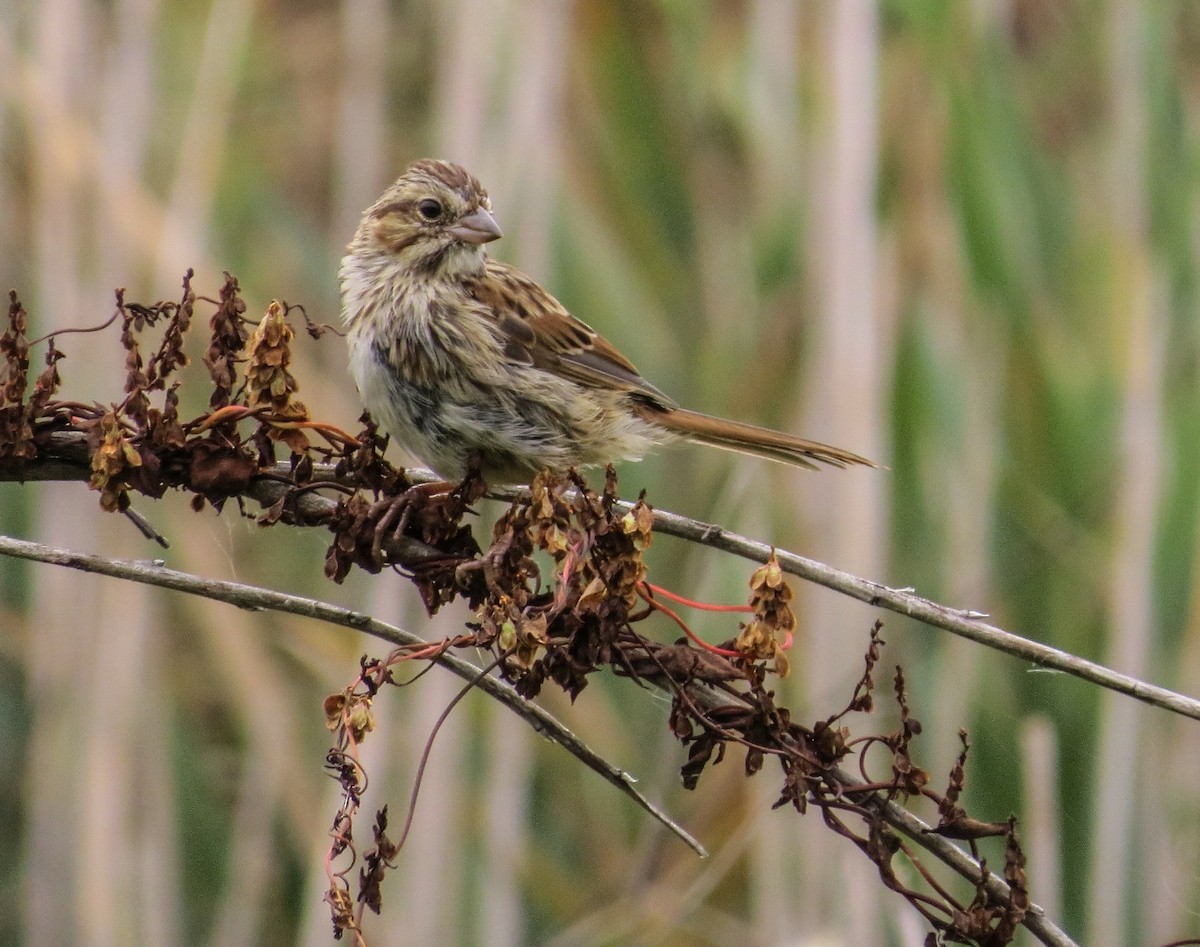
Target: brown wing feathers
[541,331]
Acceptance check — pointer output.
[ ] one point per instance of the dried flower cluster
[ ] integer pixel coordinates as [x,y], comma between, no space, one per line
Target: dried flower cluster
[17,416]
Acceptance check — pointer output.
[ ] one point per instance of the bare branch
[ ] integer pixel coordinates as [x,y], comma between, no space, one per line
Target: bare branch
[67,460]
[255,598]
[965,624]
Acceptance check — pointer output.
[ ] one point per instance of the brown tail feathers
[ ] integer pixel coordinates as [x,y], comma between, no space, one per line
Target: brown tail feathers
[749,439]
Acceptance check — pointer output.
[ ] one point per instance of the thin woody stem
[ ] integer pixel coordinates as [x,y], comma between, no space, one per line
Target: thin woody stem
[69,462]
[151,572]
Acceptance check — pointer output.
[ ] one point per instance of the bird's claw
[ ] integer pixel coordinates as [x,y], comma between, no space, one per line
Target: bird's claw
[398,510]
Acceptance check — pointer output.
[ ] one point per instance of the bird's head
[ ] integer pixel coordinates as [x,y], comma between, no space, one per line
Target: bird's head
[434,220]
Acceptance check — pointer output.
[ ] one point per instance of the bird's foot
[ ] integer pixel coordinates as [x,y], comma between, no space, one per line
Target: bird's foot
[393,514]
[439,506]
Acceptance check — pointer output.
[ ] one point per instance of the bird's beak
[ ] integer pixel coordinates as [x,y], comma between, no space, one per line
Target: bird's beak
[479,227]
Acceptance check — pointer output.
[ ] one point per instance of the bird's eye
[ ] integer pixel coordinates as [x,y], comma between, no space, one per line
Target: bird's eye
[430,209]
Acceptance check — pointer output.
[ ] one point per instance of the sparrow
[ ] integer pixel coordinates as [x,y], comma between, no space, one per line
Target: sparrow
[463,358]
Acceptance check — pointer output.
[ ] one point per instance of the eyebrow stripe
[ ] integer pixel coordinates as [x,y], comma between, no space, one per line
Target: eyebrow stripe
[392,207]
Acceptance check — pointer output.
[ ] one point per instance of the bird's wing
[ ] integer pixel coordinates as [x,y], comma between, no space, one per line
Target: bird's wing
[538,330]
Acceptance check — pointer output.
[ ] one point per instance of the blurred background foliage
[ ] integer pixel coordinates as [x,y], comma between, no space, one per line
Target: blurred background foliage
[958,237]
